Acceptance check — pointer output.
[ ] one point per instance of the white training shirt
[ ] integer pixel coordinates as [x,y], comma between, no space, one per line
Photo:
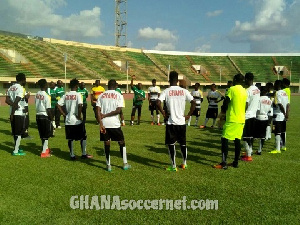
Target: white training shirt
[17,90]
[264,108]
[198,95]
[109,101]
[71,100]
[175,98]
[42,103]
[154,91]
[253,100]
[280,98]
[212,97]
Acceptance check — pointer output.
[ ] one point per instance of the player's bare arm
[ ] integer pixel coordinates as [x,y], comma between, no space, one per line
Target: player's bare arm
[192,108]
[226,103]
[15,106]
[50,116]
[79,112]
[113,113]
[287,112]
[132,78]
[8,101]
[99,119]
[158,104]
[61,110]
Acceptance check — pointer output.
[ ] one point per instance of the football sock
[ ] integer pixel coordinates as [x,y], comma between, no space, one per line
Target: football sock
[277,142]
[205,122]
[261,145]
[152,118]
[251,145]
[70,144]
[107,154]
[237,148]
[83,146]
[224,142]
[268,133]
[123,153]
[283,139]
[197,119]
[45,145]
[214,122]
[17,143]
[189,121]
[158,118]
[183,153]
[247,147]
[172,153]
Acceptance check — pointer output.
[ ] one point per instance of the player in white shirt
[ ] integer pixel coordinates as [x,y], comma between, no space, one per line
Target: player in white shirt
[262,118]
[251,109]
[15,98]
[75,128]
[280,116]
[213,98]
[153,94]
[175,98]
[198,96]
[108,106]
[44,116]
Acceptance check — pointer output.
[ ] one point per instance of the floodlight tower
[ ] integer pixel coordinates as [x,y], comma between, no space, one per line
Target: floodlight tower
[121,23]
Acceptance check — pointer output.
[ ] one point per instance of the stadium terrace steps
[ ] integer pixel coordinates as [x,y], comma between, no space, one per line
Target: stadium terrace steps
[260,66]
[216,65]
[47,60]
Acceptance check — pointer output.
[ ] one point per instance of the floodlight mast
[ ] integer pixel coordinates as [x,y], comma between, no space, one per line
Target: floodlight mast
[121,23]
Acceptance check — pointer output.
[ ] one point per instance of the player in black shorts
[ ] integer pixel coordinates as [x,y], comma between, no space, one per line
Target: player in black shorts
[44,116]
[74,126]
[15,98]
[109,105]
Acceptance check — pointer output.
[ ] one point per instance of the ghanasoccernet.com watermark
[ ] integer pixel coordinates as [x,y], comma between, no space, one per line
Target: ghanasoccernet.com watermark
[115,203]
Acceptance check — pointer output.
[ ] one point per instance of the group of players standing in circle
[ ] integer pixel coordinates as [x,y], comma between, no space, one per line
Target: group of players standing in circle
[247,112]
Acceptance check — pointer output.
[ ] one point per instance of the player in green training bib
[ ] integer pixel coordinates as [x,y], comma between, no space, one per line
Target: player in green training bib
[139,97]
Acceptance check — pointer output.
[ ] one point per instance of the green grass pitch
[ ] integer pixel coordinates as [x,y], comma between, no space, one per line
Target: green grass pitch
[38,191]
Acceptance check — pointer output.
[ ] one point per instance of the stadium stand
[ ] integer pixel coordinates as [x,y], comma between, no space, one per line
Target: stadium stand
[86,61]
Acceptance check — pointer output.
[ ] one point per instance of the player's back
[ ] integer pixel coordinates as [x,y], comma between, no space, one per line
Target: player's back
[265,106]
[17,90]
[281,97]
[253,101]
[175,98]
[109,101]
[42,102]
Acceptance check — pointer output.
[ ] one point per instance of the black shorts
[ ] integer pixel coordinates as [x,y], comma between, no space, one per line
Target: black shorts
[113,134]
[279,127]
[18,125]
[249,128]
[260,128]
[75,132]
[196,112]
[138,107]
[45,126]
[152,105]
[212,113]
[175,133]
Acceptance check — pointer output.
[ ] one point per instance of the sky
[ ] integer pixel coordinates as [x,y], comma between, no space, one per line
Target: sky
[215,26]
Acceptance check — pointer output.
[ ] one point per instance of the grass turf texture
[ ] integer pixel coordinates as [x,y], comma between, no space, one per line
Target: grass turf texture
[36,191]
